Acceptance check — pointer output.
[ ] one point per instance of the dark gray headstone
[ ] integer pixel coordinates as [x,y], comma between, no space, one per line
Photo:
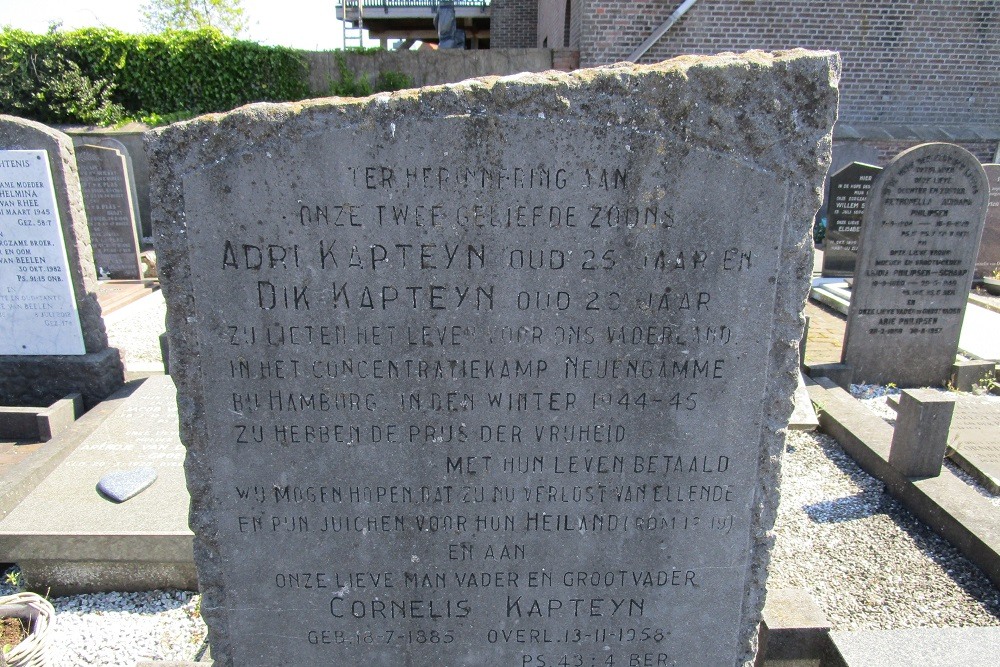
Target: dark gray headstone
[974,439]
[988,261]
[42,357]
[110,213]
[141,224]
[845,206]
[463,372]
[919,239]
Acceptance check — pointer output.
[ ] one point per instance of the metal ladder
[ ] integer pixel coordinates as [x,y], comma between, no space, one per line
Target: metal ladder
[353,36]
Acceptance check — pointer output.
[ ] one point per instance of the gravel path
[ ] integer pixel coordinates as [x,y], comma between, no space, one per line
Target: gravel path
[867,562]
[865,559]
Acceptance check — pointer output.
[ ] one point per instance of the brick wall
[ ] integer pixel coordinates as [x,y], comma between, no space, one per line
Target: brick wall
[905,61]
[514,24]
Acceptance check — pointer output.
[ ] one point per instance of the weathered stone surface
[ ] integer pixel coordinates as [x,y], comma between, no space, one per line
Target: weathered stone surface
[34,381]
[472,362]
[110,213]
[919,239]
[846,205]
[974,440]
[988,261]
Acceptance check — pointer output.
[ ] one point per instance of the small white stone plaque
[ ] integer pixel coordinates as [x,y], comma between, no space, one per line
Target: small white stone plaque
[38,313]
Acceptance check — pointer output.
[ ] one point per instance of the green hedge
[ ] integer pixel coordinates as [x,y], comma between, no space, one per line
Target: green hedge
[105,76]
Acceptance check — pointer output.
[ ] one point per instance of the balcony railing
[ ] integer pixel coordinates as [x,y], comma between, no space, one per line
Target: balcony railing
[391,4]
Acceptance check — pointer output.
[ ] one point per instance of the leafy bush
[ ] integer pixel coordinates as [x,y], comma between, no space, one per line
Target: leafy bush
[350,85]
[103,75]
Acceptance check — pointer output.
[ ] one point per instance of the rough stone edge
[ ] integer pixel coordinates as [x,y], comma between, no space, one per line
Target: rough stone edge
[20,134]
[809,78]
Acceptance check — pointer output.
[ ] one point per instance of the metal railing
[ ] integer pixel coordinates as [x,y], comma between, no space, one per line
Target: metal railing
[370,5]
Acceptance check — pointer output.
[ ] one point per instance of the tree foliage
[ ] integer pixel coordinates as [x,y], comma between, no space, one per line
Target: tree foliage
[102,76]
[227,16]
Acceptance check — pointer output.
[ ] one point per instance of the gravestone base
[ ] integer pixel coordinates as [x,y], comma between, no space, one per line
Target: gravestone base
[42,380]
[40,424]
[841,374]
[74,577]
[967,374]
[970,647]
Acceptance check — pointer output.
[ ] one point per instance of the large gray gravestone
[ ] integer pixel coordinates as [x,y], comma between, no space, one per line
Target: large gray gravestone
[845,206]
[919,240]
[988,261]
[110,211]
[463,372]
[52,338]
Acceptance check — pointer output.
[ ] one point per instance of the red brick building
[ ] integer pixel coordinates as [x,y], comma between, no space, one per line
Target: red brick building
[913,70]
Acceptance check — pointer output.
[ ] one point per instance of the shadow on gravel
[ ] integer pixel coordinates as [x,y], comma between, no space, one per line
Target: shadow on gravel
[849,508]
[875,500]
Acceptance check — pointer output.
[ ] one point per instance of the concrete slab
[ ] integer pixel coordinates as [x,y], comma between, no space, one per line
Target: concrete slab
[68,538]
[946,504]
[927,647]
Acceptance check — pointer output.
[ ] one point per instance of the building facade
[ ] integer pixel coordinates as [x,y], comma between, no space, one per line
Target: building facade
[913,70]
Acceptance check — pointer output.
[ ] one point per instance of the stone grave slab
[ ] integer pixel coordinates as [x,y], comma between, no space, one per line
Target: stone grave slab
[988,260]
[68,537]
[919,240]
[928,647]
[848,191]
[974,440]
[464,371]
[110,211]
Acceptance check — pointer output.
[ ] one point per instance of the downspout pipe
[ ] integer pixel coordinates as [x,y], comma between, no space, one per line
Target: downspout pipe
[659,32]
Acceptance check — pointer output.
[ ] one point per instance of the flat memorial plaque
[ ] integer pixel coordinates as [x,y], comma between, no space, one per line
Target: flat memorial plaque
[38,313]
[916,259]
[848,191]
[464,372]
[974,440]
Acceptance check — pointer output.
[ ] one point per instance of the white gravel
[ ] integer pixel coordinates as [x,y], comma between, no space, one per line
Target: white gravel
[135,329]
[866,561]
[861,555]
[122,629]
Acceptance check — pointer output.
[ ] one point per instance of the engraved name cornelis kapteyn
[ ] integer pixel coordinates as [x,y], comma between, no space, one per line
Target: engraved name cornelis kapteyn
[462,387]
